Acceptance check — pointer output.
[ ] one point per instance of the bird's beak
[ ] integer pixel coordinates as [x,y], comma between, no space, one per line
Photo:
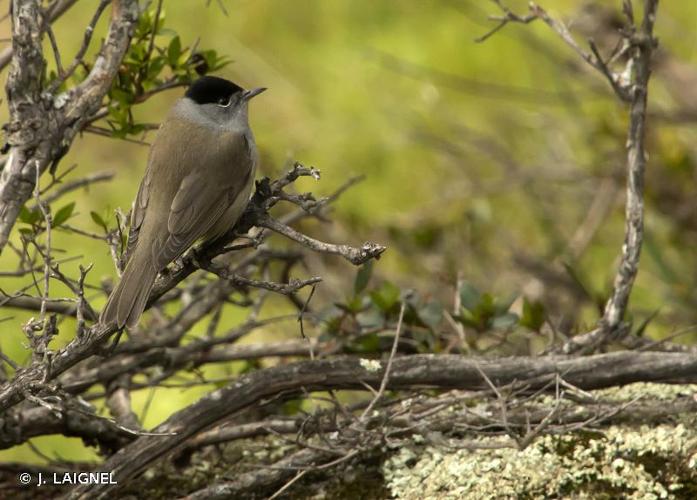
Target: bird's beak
[248,94]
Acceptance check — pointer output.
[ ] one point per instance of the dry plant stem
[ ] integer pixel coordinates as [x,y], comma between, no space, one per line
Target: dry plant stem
[299,475]
[437,371]
[119,403]
[26,423]
[388,368]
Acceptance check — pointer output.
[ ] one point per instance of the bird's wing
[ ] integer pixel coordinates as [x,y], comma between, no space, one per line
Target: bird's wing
[196,207]
[138,212]
[203,197]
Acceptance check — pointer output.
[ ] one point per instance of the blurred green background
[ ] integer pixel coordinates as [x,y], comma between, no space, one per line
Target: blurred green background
[500,162]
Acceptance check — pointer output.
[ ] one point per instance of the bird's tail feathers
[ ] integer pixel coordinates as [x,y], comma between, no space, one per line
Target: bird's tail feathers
[127,301]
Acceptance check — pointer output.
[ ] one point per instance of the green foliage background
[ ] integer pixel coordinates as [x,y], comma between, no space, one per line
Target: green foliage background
[475,155]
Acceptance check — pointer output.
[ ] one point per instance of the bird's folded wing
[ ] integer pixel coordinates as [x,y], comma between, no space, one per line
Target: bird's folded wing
[138,214]
[196,207]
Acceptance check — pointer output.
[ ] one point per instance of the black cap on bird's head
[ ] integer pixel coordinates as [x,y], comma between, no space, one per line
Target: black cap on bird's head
[214,90]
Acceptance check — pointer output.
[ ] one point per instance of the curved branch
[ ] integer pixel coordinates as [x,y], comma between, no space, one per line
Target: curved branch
[427,370]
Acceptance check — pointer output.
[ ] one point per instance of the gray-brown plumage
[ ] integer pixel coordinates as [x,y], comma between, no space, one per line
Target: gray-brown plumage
[198,181]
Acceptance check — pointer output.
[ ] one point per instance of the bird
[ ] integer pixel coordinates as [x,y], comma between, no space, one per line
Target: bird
[197,183]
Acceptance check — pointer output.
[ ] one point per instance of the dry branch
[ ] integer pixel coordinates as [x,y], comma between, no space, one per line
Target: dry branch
[33,378]
[616,306]
[434,371]
[641,43]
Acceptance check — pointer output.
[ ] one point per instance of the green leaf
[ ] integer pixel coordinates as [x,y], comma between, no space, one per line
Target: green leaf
[486,307]
[466,318]
[352,306]
[533,315]
[29,216]
[63,214]
[505,321]
[155,67]
[98,220]
[174,51]
[385,297]
[503,306]
[363,277]
[367,343]
[370,318]
[469,296]
[214,62]
[431,314]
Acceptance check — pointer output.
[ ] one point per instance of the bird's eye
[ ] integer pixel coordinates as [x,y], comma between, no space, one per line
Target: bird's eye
[224,101]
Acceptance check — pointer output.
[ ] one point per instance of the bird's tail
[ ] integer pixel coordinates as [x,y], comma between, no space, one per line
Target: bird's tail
[127,301]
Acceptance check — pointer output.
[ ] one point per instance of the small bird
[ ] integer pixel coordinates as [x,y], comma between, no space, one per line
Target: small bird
[197,184]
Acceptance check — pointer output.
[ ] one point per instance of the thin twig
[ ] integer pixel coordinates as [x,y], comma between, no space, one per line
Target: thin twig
[78,59]
[388,368]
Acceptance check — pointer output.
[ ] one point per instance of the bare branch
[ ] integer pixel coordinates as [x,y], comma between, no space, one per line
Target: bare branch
[284,288]
[356,256]
[611,322]
[71,186]
[508,17]
[444,371]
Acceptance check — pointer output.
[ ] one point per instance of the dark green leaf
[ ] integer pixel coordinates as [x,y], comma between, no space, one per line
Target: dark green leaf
[469,296]
[353,306]
[29,216]
[486,306]
[385,297]
[466,318]
[363,277]
[533,315]
[367,343]
[431,314]
[370,318]
[503,306]
[98,220]
[505,321]
[63,214]
[155,67]
[174,51]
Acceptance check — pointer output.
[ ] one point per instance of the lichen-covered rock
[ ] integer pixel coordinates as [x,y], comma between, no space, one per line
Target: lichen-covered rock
[619,461]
